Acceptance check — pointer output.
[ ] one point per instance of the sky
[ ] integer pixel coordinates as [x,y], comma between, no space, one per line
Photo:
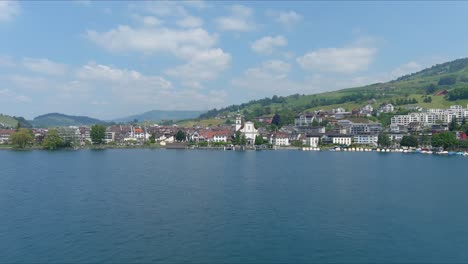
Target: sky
[110,59]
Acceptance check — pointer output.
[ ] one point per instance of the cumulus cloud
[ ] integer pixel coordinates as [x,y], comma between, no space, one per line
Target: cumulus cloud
[267,45]
[203,66]
[270,77]
[9,10]
[287,19]
[190,22]
[44,66]
[148,20]
[338,60]
[192,44]
[152,40]
[240,19]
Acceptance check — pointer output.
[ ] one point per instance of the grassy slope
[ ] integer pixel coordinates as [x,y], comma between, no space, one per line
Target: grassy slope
[410,86]
[7,120]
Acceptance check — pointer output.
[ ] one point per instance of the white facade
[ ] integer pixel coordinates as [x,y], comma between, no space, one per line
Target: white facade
[312,141]
[432,116]
[249,131]
[342,140]
[388,108]
[306,119]
[110,137]
[280,141]
[366,139]
[220,138]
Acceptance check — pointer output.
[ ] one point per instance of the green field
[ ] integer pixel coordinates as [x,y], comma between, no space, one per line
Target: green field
[8,121]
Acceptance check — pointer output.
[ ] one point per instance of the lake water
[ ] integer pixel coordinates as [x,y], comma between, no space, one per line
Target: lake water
[177,206]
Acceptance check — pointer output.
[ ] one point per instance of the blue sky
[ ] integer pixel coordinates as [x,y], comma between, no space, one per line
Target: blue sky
[110,59]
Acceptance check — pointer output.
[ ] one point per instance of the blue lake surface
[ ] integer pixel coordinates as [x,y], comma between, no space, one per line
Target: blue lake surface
[176,206]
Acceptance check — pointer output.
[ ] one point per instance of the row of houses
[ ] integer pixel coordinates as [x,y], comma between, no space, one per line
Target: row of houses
[429,117]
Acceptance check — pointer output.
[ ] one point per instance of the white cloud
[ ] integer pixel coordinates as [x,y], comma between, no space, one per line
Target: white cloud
[8,10]
[273,69]
[163,8]
[29,83]
[44,66]
[240,19]
[8,96]
[148,20]
[6,61]
[123,77]
[271,77]
[267,45]
[190,22]
[203,66]
[288,18]
[338,60]
[152,40]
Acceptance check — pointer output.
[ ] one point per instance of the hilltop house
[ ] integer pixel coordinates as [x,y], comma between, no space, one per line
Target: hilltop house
[306,119]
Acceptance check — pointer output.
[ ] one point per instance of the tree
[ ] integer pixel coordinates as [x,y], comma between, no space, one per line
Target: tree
[52,140]
[98,134]
[152,138]
[453,124]
[259,140]
[445,139]
[409,141]
[180,135]
[22,137]
[431,88]
[237,138]
[383,140]
[243,140]
[276,119]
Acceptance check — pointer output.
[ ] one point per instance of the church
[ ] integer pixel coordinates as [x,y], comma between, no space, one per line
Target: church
[247,129]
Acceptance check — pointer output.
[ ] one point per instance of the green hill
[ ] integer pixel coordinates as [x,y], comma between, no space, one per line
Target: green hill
[7,121]
[441,85]
[12,121]
[56,119]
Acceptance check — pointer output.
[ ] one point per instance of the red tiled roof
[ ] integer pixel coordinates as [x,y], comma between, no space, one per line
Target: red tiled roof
[6,131]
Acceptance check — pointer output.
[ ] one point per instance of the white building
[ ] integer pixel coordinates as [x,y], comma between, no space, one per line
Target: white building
[110,137]
[388,108]
[342,140]
[312,141]
[247,129]
[432,116]
[306,119]
[280,139]
[370,139]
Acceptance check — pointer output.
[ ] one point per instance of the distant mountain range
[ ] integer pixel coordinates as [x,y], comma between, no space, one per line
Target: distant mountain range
[57,119]
[159,115]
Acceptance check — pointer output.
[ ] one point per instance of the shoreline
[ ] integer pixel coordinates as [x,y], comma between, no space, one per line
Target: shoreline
[304,149]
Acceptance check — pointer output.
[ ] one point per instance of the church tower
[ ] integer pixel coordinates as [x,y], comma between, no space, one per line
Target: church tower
[238,121]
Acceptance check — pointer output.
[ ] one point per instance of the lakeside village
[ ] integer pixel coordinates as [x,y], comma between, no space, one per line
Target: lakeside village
[438,131]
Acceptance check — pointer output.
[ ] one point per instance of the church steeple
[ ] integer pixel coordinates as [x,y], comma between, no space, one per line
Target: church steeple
[238,120]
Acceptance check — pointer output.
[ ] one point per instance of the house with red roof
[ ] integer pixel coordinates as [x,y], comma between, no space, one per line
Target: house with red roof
[5,135]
